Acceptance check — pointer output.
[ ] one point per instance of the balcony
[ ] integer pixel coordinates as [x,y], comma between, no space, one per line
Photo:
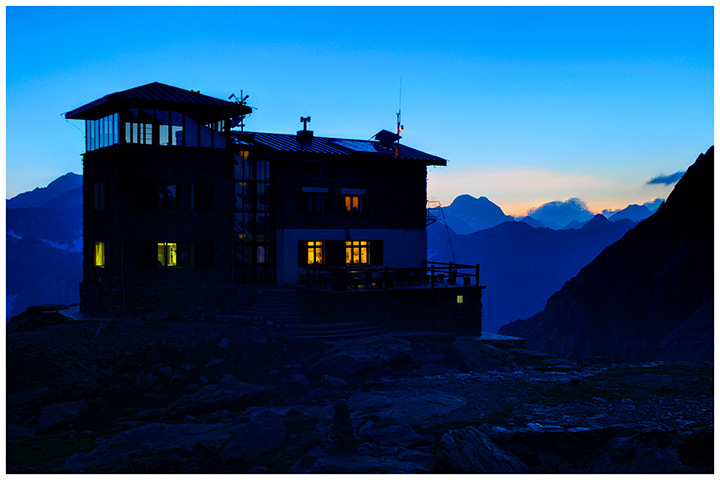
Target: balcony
[431,274]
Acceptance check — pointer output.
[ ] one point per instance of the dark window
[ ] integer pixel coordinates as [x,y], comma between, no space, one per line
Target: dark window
[313,202]
[204,196]
[204,254]
[175,196]
[99,196]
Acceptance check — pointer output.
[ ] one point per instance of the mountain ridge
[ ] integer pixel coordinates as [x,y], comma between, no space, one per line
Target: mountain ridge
[629,302]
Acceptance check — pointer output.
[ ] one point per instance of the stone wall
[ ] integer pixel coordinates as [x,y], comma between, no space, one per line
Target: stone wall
[200,301]
[414,309]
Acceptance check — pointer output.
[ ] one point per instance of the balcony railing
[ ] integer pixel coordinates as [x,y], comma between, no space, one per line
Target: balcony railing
[431,273]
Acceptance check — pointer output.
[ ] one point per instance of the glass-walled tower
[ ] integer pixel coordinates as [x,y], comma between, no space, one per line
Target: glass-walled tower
[158,187]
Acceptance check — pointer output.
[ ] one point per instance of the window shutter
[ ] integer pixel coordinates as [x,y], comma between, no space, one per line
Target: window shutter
[204,254]
[203,196]
[376,252]
[302,253]
[335,253]
[107,255]
[147,255]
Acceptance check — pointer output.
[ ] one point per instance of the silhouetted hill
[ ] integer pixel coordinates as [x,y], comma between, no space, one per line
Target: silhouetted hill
[44,246]
[39,274]
[636,213]
[521,265]
[649,295]
[532,222]
[467,214]
[41,195]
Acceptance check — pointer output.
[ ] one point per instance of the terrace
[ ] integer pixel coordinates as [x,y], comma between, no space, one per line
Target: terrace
[361,278]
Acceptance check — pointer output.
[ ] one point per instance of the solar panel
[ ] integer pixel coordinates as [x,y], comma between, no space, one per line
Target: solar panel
[356,145]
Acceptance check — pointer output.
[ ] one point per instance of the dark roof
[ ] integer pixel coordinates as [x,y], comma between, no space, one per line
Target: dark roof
[282,142]
[159,95]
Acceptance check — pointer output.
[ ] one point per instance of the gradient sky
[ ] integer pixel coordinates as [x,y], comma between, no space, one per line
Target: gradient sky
[528,104]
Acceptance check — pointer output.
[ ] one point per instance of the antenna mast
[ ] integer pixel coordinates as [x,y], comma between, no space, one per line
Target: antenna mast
[400,128]
[241,119]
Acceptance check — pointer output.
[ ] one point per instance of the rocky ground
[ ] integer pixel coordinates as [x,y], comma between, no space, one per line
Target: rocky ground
[170,395]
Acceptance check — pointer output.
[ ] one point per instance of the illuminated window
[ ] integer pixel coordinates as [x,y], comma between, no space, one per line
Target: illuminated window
[99,260]
[315,253]
[167,254]
[353,203]
[356,252]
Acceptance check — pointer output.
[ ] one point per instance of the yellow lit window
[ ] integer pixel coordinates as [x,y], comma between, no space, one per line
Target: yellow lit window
[167,254]
[315,253]
[356,252]
[99,254]
[353,203]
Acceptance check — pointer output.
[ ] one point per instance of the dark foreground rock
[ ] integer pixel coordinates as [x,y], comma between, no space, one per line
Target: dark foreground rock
[179,396]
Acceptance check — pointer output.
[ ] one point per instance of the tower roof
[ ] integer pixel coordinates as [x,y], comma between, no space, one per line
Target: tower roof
[159,96]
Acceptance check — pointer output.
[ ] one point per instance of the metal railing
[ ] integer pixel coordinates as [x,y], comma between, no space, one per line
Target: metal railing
[353,277]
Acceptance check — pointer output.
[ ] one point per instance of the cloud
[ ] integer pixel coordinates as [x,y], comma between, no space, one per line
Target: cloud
[663,179]
[558,214]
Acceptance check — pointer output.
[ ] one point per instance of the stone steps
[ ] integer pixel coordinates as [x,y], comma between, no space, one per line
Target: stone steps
[306,320]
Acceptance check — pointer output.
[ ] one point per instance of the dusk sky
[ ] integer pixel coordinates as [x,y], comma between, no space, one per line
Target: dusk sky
[528,104]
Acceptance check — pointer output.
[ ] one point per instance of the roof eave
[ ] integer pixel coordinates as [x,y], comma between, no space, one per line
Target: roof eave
[113,103]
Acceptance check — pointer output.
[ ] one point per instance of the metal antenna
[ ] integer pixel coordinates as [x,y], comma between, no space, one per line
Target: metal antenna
[241,119]
[400,128]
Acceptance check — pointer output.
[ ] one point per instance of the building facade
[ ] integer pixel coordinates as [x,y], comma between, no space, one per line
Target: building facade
[182,213]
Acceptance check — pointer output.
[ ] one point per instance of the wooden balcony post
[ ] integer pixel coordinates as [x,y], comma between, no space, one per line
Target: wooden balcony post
[477,274]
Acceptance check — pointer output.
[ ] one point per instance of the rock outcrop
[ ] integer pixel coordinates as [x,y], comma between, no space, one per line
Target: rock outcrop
[167,396]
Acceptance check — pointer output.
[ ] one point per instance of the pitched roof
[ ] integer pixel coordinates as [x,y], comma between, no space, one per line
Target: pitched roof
[336,146]
[157,95]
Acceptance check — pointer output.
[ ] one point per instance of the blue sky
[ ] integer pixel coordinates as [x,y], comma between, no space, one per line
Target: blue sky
[528,104]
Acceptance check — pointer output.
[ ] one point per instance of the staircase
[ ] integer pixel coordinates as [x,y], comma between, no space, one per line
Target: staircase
[292,308]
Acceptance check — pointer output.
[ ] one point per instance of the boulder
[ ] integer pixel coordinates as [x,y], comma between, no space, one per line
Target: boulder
[334,382]
[264,434]
[362,355]
[470,451]
[409,406]
[478,356]
[16,431]
[145,381]
[366,459]
[400,435]
[148,440]
[647,452]
[213,397]
[59,415]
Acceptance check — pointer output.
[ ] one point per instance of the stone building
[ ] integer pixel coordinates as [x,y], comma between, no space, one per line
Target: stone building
[182,212]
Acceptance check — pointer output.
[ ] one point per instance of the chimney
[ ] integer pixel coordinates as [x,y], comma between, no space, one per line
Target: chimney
[305,135]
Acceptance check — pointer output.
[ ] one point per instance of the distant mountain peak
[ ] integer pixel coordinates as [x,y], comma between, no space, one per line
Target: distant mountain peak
[41,195]
[467,214]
